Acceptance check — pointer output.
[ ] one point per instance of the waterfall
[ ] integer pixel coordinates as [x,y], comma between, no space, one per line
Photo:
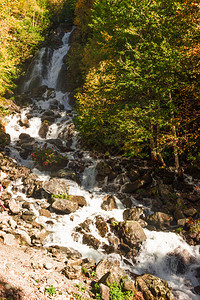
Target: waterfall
[46,70]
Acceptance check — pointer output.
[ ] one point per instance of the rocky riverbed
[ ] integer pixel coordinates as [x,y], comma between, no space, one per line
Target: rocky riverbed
[80,219]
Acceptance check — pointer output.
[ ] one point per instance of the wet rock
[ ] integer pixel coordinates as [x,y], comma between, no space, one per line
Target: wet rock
[64,206]
[56,186]
[101,226]
[26,205]
[160,220]
[166,176]
[45,213]
[178,214]
[103,169]
[153,287]
[24,122]
[38,92]
[113,241]
[133,214]
[109,203]
[131,233]
[64,173]
[14,207]
[84,226]
[197,289]
[180,260]
[58,143]
[131,187]
[44,130]
[133,175]
[28,216]
[80,200]
[194,171]
[91,241]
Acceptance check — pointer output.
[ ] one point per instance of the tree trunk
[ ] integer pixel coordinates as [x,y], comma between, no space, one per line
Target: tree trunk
[152,145]
[174,134]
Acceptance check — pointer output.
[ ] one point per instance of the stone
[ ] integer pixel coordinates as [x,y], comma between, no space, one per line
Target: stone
[56,186]
[64,206]
[160,220]
[24,122]
[10,240]
[72,271]
[23,236]
[44,130]
[91,241]
[197,289]
[190,212]
[109,203]
[45,213]
[101,226]
[180,260]
[103,169]
[80,200]
[14,207]
[132,233]
[28,216]
[153,287]
[104,291]
[133,214]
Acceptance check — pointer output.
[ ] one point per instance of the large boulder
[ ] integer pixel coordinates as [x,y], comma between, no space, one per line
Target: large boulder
[64,206]
[180,260]
[153,287]
[131,233]
[133,214]
[160,220]
[56,186]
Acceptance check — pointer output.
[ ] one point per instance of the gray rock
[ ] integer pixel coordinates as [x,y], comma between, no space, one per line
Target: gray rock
[56,186]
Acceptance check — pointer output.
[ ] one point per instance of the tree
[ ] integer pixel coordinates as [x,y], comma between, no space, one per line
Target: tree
[140,47]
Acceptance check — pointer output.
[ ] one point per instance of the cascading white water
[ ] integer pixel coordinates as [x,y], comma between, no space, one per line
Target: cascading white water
[152,256]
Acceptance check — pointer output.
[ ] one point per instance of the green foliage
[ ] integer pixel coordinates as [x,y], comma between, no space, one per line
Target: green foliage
[61,196]
[135,66]
[81,287]
[116,292]
[50,290]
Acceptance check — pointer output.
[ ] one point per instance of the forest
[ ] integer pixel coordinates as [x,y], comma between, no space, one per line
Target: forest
[134,67]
